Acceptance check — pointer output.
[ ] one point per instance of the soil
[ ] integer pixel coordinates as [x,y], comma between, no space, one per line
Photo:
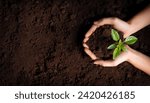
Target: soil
[41,42]
[99,41]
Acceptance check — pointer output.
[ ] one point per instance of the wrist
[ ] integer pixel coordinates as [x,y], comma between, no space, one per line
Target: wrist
[130,54]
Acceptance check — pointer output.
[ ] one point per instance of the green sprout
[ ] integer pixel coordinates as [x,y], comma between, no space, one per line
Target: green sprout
[119,45]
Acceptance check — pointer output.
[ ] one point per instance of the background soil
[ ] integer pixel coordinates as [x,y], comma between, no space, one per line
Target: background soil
[41,42]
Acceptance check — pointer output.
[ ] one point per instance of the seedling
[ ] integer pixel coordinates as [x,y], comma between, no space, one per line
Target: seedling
[119,45]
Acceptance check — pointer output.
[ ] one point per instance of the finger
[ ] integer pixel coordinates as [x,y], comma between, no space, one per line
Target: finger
[97,24]
[90,54]
[116,23]
[105,21]
[105,63]
[90,32]
[85,40]
[128,47]
[85,45]
[126,35]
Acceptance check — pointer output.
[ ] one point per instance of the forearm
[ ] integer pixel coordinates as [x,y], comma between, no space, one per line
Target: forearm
[139,21]
[139,60]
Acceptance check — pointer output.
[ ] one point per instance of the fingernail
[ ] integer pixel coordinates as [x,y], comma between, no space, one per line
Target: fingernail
[85,45]
[95,62]
[86,39]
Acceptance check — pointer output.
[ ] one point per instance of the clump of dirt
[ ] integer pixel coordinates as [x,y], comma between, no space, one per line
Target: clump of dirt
[99,41]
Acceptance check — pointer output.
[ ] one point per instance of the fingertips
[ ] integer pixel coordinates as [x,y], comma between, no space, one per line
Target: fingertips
[85,45]
[96,23]
[92,55]
[98,62]
[85,39]
[124,36]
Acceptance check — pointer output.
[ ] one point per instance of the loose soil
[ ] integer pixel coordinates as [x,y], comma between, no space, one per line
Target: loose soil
[41,42]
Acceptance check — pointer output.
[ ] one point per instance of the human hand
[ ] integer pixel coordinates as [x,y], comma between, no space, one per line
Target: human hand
[132,56]
[124,56]
[127,28]
[117,24]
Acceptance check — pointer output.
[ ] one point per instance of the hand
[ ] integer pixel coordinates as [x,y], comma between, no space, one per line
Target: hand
[117,23]
[134,57]
[124,56]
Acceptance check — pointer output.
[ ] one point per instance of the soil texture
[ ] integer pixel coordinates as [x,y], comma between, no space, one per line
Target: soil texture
[41,42]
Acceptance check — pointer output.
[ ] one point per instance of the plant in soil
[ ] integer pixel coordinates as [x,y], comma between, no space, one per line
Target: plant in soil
[119,45]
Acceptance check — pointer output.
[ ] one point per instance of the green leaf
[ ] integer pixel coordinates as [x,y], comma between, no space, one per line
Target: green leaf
[114,34]
[112,46]
[119,45]
[123,48]
[130,40]
[116,52]
[120,41]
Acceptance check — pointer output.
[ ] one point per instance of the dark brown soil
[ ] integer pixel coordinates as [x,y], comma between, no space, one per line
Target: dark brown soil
[99,41]
[41,42]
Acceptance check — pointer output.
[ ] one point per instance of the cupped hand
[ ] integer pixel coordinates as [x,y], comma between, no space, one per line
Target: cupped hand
[124,56]
[118,24]
[134,57]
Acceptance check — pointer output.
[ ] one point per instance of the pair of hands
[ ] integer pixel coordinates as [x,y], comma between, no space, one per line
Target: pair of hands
[118,24]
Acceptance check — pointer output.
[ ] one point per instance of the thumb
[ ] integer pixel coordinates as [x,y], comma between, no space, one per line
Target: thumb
[126,35]
[107,63]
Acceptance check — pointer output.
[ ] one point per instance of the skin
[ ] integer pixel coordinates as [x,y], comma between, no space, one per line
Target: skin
[132,56]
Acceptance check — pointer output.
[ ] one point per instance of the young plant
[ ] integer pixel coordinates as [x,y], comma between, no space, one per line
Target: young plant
[119,45]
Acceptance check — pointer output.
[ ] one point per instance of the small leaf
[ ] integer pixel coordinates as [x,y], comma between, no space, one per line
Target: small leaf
[119,45]
[130,40]
[112,46]
[123,48]
[115,53]
[115,35]
[120,41]
[119,49]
